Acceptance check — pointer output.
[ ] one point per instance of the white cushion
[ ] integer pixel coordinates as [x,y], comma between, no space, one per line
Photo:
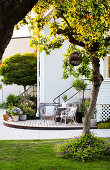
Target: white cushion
[49,110]
[72,111]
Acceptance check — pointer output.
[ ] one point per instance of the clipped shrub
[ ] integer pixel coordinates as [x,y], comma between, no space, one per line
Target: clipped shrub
[85,147]
[12,100]
[3,105]
[30,113]
[27,109]
[105,125]
[79,84]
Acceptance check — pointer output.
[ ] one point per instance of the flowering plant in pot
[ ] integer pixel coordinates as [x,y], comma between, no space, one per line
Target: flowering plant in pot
[79,85]
[64,97]
[15,112]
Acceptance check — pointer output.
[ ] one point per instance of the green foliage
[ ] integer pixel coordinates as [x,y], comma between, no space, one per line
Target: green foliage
[85,106]
[83,69]
[44,43]
[0,86]
[108,120]
[79,84]
[12,100]
[31,114]
[104,125]
[64,97]
[22,155]
[27,107]
[82,23]
[3,105]
[85,147]
[20,69]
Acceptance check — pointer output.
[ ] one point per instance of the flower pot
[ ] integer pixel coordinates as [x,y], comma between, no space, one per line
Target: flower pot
[64,104]
[23,117]
[15,118]
[5,117]
[93,122]
[79,117]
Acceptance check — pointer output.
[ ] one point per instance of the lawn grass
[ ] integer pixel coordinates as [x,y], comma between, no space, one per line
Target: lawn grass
[39,155]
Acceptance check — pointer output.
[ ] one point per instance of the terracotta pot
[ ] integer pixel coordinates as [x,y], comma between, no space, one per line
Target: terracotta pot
[93,122]
[4,117]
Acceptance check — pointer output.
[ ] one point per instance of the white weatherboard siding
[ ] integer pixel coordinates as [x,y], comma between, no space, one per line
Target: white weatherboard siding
[51,72]
[104,93]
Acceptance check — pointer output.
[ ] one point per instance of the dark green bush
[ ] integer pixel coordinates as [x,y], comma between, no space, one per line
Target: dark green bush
[105,125]
[83,148]
[3,105]
[108,120]
[27,108]
[31,114]
[12,100]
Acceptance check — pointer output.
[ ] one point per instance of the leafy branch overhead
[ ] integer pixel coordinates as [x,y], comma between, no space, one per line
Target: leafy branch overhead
[81,23]
[85,23]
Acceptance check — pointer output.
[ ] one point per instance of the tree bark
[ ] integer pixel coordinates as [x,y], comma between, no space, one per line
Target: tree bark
[96,81]
[11,12]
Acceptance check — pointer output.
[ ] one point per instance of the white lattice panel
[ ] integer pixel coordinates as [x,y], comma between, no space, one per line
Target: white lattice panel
[103,112]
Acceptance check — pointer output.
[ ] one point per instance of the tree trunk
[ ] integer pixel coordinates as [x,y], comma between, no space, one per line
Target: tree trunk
[24,91]
[96,81]
[11,12]
[5,37]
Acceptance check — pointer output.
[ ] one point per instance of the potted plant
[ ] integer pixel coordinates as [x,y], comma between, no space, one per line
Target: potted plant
[0,86]
[79,85]
[22,106]
[93,120]
[15,112]
[64,97]
[27,109]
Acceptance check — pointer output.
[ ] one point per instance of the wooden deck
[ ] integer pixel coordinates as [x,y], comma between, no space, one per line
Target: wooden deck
[47,125]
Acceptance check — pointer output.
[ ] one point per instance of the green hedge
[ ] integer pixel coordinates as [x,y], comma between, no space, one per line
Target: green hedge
[104,125]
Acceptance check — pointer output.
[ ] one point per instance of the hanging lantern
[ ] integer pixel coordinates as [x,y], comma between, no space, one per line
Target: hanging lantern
[75,59]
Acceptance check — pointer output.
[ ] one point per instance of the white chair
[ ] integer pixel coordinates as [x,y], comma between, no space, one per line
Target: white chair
[48,112]
[69,114]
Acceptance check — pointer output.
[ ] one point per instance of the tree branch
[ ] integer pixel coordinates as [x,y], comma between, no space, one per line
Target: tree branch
[107,41]
[70,34]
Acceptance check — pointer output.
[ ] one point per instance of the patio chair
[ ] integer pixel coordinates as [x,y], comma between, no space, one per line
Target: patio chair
[69,114]
[48,112]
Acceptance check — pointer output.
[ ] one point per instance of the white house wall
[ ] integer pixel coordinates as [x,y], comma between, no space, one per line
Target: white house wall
[104,93]
[51,72]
